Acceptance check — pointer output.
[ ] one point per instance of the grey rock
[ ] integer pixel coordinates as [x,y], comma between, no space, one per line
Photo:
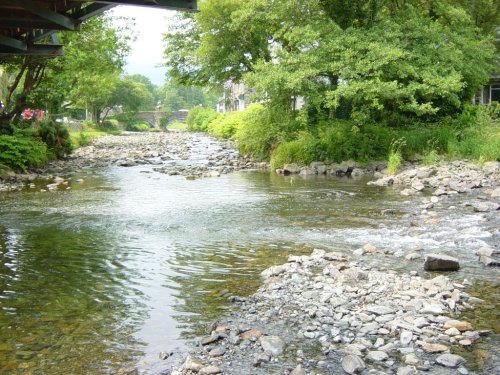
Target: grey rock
[210,370]
[261,358]
[273,345]
[352,364]
[377,356]
[439,262]
[211,339]
[298,371]
[495,193]
[450,360]
[306,172]
[431,308]
[291,169]
[486,251]
[489,262]
[380,309]
[192,364]
[217,352]
[407,370]
[405,338]
[485,206]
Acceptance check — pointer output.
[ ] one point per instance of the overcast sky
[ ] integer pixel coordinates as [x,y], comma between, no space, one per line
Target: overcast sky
[147,50]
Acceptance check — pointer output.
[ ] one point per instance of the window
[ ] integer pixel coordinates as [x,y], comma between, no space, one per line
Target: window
[495,93]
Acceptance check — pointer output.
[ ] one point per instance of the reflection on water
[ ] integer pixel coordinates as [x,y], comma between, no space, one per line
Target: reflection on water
[100,278]
[63,301]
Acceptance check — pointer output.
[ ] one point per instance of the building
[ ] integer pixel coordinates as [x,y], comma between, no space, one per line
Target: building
[236,97]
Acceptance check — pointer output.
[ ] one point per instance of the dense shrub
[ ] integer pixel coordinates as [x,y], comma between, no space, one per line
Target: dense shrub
[199,118]
[343,140]
[20,153]
[257,135]
[138,127]
[88,125]
[56,136]
[226,125]
[109,125]
[303,150]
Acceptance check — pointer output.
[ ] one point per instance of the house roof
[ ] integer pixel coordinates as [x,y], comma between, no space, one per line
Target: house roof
[25,24]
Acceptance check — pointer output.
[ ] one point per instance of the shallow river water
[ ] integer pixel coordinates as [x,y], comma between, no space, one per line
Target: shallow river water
[101,277]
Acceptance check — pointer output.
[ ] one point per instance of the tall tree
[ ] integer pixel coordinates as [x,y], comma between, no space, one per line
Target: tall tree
[365,60]
[84,76]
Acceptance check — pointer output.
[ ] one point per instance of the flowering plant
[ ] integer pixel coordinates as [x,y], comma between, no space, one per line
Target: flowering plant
[29,114]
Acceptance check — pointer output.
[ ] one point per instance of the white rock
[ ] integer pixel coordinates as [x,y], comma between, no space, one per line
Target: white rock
[377,356]
[407,370]
[352,364]
[405,338]
[273,345]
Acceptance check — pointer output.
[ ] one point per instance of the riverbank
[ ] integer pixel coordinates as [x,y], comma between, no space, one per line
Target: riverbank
[169,151]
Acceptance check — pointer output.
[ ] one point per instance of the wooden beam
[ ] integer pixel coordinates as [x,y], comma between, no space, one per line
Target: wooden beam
[54,17]
[15,44]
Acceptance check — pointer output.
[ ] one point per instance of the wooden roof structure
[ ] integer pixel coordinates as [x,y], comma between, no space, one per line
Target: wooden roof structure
[26,24]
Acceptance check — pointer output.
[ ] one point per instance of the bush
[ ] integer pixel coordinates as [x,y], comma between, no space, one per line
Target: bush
[303,150]
[257,134]
[56,136]
[198,118]
[226,125]
[88,125]
[20,153]
[343,140]
[138,127]
[109,125]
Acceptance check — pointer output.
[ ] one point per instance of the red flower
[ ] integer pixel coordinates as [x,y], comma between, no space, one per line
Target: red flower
[27,114]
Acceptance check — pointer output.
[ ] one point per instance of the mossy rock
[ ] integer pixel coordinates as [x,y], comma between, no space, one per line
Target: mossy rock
[6,172]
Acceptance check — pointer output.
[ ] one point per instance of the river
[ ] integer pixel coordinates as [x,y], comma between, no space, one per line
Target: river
[101,277]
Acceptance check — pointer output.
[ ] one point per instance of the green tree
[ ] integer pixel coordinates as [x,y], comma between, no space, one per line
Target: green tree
[150,104]
[174,96]
[84,76]
[362,60]
[130,94]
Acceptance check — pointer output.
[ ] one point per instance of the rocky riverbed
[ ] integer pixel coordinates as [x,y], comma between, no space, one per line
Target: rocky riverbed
[328,312]
[331,313]
[186,154]
[359,320]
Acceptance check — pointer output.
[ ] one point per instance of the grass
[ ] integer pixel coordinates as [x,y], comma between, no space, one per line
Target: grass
[177,125]
[395,156]
[84,138]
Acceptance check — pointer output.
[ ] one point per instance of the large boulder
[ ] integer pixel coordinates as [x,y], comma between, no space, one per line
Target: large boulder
[439,262]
